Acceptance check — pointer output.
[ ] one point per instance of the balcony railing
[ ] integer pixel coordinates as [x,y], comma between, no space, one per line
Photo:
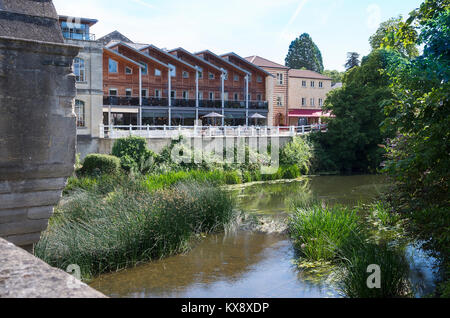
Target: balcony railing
[152,101]
[74,34]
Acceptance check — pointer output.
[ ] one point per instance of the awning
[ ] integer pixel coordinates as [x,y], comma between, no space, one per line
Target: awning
[124,110]
[308,113]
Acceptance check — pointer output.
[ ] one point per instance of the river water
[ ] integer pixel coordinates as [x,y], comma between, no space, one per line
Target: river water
[244,264]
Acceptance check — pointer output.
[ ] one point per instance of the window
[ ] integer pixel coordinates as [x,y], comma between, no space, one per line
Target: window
[173,94]
[303,83]
[200,72]
[259,79]
[320,84]
[173,70]
[304,101]
[259,97]
[79,69]
[144,93]
[200,95]
[157,72]
[312,101]
[113,65]
[236,96]
[144,68]
[79,111]
[185,74]
[185,95]
[225,76]
[128,92]
[312,84]
[280,80]
[249,96]
[112,92]
[128,70]
[279,100]
[236,78]
[225,96]
[211,76]
[157,93]
[320,102]
[211,95]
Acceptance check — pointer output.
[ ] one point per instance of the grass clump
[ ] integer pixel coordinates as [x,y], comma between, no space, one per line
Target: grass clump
[103,233]
[319,232]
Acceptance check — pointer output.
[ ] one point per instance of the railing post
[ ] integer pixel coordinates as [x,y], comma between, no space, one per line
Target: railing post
[148,131]
[292,131]
[102,131]
[278,130]
[303,130]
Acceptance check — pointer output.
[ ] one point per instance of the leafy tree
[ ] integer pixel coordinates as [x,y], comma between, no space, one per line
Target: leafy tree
[336,76]
[353,138]
[352,60]
[304,53]
[389,36]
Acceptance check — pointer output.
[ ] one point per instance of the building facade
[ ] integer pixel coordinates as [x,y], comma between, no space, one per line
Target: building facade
[87,68]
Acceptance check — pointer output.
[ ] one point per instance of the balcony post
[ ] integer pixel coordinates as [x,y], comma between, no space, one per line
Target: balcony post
[246,99]
[140,98]
[170,97]
[223,97]
[196,93]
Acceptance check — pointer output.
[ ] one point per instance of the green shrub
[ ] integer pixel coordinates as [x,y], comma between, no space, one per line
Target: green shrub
[291,172]
[133,152]
[298,152]
[232,177]
[319,232]
[247,177]
[96,164]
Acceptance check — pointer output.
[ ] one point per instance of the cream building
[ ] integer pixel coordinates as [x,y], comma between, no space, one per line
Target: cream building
[307,93]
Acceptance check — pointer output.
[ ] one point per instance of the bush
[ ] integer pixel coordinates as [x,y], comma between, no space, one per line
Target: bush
[96,164]
[232,177]
[133,153]
[291,172]
[297,152]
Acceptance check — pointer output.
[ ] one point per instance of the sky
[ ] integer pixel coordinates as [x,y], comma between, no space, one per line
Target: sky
[246,27]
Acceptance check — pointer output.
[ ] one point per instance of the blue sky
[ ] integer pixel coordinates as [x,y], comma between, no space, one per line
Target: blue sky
[247,27]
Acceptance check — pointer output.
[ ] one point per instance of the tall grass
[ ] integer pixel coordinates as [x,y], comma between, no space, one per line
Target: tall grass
[131,225]
[319,231]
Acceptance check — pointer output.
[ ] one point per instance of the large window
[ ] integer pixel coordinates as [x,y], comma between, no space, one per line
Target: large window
[79,69]
[113,66]
[280,79]
[79,112]
[144,68]
[173,70]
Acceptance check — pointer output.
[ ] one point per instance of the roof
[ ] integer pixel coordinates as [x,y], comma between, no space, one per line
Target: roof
[246,61]
[151,46]
[309,113]
[222,59]
[139,52]
[307,74]
[114,36]
[196,57]
[123,56]
[90,22]
[337,85]
[262,62]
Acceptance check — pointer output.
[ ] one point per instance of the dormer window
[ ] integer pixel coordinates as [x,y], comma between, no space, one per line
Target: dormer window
[113,66]
[128,70]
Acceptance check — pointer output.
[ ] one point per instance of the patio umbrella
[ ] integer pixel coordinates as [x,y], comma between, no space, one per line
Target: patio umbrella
[214,115]
[256,117]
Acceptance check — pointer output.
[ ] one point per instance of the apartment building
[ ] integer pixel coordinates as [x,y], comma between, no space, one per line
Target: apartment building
[87,68]
[307,93]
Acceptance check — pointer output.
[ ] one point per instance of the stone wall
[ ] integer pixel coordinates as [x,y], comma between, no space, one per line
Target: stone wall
[37,122]
[24,276]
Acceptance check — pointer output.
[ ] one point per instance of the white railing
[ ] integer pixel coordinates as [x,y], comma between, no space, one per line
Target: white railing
[115,132]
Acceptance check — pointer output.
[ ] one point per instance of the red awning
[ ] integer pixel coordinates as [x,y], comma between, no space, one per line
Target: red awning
[308,113]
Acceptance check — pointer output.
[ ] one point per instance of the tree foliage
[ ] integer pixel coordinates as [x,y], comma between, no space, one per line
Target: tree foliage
[353,138]
[304,54]
[388,36]
[352,60]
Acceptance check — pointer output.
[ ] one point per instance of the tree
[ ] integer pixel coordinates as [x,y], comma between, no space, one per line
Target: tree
[388,36]
[304,53]
[354,135]
[336,76]
[352,60]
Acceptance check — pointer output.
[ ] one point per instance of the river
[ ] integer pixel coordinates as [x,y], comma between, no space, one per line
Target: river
[244,264]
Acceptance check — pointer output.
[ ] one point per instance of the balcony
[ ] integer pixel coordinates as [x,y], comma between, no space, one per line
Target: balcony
[188,103]
[74,34]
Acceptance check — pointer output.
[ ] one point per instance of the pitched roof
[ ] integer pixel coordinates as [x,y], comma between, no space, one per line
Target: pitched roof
[151,46]
[224,60]
[130,47]
[246,61]
[307,74]
[262,62]
[114,36]
[123,57]
[196,57]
